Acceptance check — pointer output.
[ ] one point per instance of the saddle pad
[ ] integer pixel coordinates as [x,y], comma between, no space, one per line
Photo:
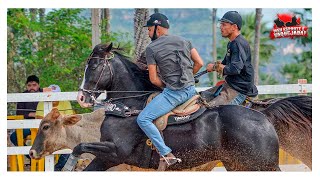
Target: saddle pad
[172,120]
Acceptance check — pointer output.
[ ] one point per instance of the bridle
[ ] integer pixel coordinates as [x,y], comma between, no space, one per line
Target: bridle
[106,62]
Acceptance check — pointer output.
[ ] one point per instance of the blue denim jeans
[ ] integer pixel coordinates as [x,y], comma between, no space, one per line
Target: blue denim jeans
[161,105]
[238,100]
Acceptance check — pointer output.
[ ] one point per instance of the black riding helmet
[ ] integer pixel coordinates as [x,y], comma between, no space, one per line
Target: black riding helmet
[232,17]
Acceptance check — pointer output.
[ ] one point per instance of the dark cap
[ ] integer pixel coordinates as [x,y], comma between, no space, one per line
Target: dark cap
[158,19]
[232,17]
[32,78]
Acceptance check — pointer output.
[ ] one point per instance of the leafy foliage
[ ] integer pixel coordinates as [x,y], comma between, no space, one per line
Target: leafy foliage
[54,46]
[55,50]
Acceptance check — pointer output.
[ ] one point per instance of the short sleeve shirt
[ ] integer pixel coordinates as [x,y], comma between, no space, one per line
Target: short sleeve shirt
[172,55]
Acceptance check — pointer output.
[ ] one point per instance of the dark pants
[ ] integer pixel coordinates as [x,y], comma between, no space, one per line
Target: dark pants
[26,132]
[227,95]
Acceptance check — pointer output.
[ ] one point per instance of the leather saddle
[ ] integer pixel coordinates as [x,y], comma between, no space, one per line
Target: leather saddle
[183,113]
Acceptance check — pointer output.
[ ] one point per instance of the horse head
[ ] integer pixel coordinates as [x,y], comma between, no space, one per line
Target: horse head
[98,74]
[108,70]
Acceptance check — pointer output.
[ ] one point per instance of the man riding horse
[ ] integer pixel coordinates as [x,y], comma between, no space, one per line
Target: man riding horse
[236,66]
[177,61]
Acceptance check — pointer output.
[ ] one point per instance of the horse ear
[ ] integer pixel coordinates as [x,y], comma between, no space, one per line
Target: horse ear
[109,48]
[70,120]
[54,114]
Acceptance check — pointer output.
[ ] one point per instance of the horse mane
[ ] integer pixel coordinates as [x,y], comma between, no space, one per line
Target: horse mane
[292,112]
[136,72]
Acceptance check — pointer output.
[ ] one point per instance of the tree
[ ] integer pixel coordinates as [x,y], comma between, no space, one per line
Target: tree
[105,20]
[256,45]
[141,38]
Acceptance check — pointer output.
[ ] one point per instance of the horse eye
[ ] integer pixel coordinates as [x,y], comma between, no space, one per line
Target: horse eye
[94,63]
[45,127]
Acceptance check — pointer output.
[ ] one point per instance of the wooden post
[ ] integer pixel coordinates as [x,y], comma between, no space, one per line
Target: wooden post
[302,83]
[95,19]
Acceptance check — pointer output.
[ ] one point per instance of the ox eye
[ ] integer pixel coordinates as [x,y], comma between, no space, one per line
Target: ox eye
[45,127]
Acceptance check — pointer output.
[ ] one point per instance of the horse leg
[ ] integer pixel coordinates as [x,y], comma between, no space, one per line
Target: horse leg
[99,149]
[99,164]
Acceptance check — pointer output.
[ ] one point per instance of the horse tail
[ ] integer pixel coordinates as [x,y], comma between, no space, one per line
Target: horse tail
[292,112]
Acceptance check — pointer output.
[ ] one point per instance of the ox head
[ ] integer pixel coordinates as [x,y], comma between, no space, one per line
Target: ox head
[98,74]
[51,134]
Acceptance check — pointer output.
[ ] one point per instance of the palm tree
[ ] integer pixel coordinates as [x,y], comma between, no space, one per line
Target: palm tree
[257,45]
[141,37]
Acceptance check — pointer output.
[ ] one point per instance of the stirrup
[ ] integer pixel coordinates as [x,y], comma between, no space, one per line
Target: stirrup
[170,160]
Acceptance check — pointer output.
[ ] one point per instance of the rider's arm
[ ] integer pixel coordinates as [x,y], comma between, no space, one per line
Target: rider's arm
[153,76]
[198,63]
[236,64]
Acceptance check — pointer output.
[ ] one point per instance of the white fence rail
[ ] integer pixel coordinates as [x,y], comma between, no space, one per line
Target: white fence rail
[48,97]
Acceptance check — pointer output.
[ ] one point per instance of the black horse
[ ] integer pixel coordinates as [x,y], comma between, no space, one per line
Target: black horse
[241,138]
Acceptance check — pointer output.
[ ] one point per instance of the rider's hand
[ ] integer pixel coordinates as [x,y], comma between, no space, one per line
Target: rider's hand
[210,67]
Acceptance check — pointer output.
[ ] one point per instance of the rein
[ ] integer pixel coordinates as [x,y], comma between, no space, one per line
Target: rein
[106,60]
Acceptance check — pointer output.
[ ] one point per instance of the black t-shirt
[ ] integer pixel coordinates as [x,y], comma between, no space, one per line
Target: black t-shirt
[238,70]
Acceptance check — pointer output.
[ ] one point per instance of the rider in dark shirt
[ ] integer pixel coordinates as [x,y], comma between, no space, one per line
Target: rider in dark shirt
[236,66]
